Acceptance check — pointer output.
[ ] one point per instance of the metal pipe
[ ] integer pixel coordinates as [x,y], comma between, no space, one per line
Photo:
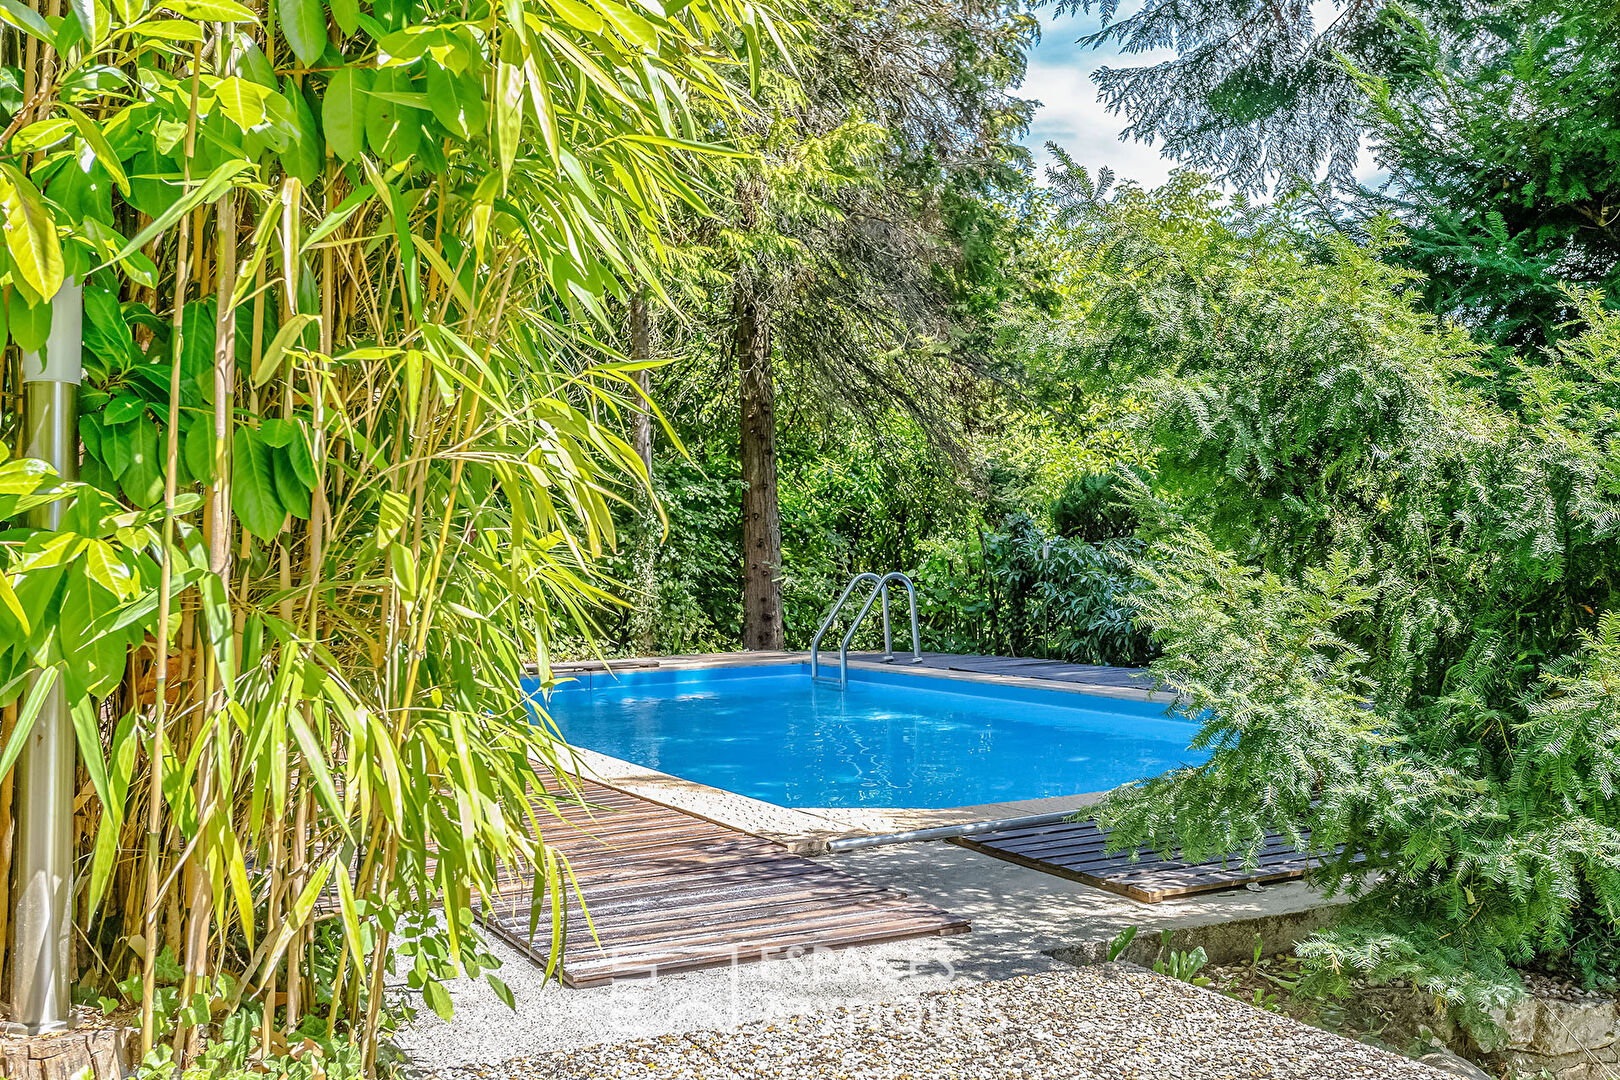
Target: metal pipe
[815,642]
[946,832]
[849,635]
[888,635]
[44,861]
[911,594]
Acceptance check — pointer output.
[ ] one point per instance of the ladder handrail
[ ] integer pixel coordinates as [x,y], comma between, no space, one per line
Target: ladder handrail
[815,642]
[879,588]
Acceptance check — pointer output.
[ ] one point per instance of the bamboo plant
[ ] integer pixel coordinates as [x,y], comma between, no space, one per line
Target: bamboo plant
[350,445]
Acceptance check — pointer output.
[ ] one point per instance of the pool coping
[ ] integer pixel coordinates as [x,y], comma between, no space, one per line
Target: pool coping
[762,658]
[809,831]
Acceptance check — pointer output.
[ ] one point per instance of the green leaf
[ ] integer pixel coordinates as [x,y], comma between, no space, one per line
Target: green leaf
[31,238]
[343,112]
[26,717]
[346,13]
[290,488]
[508,112]
[30,322]
[304,23]
[108,570]
[243,101]
[142,482]
[279,345]
[438,999]
[168,30]
[227,11]
[94,20]
[27,20]
[443,99]
[199,449]
[253,487]
[210,189]
[305,152]
[98,141]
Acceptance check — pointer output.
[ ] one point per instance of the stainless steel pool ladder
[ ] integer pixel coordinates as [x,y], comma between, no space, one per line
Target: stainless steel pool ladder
[880,587]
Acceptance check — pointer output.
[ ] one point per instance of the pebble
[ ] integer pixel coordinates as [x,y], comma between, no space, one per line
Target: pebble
[1109,1022]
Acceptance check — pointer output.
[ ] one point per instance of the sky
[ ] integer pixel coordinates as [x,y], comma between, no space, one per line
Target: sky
[1059,77]
[1070,115]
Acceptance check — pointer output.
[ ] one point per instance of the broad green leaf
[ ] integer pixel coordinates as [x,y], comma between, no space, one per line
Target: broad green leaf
[304,23]
[343,112]
[30,321]
[142,481]
[92,134]
[443,100]
[254,66]
[168,30]
[346,13]
[8,598]
[253,487]
[26,19]
[290,487]
[306,152]
[94,19]
[438,999]
[243,101]
[108,570]
[31,239]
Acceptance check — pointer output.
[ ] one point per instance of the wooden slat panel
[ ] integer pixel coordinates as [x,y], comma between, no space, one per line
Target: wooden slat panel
[1076,850]
[669,891]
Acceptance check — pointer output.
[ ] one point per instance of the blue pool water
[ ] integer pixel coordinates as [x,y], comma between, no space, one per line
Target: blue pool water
[891,739]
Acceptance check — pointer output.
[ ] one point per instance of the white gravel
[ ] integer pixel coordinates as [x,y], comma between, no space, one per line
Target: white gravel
[1100,1023]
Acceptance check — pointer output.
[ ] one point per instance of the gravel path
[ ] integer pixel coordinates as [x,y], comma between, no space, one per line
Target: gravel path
[1097,1023]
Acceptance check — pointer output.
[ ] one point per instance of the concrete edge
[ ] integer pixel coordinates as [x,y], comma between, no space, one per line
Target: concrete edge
[697,661]
[1224,942]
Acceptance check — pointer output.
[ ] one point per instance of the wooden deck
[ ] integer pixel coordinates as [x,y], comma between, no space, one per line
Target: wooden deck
[669,891]
[1075,850]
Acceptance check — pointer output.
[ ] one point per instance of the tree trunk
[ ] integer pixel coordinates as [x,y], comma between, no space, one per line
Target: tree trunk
[761,515]
[643,635]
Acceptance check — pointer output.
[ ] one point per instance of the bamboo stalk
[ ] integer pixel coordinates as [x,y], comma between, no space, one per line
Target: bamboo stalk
[201,886]
[154,798]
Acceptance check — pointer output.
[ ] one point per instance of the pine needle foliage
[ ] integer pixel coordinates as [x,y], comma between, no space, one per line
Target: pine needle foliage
[1382,582]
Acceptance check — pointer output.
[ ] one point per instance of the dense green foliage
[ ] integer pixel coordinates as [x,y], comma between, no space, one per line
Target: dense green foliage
[1502,138]
[1386,596]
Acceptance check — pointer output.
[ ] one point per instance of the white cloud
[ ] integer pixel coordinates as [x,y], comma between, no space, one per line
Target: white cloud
[1071,116]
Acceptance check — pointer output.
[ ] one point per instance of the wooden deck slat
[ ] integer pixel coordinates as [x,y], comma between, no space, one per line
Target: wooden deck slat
[1076,850]
[669,891]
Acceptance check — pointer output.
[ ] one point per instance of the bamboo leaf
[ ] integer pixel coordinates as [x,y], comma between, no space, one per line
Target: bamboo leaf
[210,189]
[351,918]
[289,332]
[31,239]
[26,717]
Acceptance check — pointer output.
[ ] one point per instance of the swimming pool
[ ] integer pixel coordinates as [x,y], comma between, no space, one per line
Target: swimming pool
[892,739]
